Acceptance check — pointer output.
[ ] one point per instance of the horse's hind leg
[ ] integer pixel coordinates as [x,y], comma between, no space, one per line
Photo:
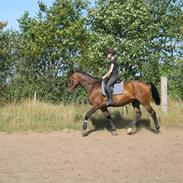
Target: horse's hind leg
[136,106]
[153,115]
[108,116]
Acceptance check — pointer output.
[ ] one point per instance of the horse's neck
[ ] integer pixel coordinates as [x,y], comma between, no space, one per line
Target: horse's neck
[87,82]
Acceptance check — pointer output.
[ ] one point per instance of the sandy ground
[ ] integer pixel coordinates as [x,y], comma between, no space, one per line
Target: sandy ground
[66,157]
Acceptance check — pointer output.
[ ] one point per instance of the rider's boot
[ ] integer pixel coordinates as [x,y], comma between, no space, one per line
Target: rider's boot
[109,97]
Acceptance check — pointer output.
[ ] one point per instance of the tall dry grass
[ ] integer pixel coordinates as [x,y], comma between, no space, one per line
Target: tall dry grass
[40,116]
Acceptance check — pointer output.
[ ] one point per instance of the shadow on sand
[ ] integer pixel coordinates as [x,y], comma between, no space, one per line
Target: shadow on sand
[101,123]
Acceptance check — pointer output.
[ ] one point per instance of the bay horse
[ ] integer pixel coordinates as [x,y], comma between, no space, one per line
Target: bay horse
[135,92]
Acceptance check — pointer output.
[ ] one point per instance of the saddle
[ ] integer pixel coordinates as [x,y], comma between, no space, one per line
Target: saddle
[117,88]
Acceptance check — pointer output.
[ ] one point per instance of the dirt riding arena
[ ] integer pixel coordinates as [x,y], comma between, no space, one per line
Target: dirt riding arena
[66,157]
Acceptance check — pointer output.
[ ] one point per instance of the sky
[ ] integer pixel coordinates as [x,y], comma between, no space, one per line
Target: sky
[11,10]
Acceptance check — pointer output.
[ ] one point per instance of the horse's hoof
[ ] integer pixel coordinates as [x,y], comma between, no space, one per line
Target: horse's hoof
[130,131]
[157,131]
[85,133]
[114,133]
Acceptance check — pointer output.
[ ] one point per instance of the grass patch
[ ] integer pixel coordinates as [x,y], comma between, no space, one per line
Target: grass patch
[41,116]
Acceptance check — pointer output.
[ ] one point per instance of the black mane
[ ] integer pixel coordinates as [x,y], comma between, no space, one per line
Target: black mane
[84,73]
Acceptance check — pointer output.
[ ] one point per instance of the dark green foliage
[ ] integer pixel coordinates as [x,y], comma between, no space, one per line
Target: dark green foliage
[7,59]
[147,35]
[49,46]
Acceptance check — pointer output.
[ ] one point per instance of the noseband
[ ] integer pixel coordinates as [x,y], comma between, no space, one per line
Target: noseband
[71,86]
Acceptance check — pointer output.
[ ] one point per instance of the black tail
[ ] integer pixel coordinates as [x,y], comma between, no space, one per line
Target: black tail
[155,94]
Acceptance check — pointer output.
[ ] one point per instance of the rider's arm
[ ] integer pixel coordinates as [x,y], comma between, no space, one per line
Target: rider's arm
[109,72]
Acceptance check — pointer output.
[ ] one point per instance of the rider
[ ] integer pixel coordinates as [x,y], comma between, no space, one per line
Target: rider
[111,75]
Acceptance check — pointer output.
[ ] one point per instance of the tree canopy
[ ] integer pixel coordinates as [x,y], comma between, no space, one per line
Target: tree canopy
[146,34]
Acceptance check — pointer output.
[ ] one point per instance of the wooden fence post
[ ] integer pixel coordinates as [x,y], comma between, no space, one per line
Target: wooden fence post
[164,98]
[125,110]
[35,97]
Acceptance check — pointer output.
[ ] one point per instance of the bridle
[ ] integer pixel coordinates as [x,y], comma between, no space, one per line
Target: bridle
[71,86]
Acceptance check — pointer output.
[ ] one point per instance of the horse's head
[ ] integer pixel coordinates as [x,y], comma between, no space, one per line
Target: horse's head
[73,81]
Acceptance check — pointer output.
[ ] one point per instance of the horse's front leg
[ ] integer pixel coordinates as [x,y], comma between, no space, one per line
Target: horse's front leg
[85,124]
[108,116]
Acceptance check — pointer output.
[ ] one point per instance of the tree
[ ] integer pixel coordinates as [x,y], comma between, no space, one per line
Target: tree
[144,33]
[147,35]
[7,40]
[50,44]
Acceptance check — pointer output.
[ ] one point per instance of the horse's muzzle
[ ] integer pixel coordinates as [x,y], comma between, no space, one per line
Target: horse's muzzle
[69,89]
